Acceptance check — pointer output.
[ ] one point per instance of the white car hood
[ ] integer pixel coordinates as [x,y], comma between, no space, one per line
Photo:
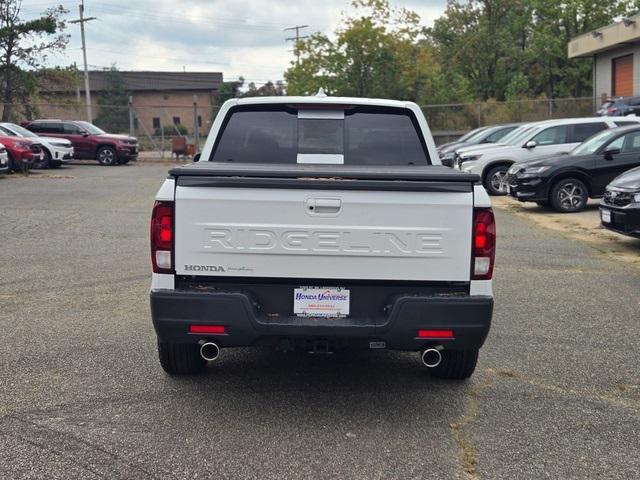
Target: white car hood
[483,148]
[54,140]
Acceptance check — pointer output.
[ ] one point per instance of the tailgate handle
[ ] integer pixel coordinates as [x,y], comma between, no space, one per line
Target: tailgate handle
[324,205]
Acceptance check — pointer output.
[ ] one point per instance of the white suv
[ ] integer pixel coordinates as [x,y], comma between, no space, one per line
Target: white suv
[529,142]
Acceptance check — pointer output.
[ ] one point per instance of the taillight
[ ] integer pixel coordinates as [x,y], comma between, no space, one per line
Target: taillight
[612,110]
[435,333]
[162,237]
[204,329]
[484,244]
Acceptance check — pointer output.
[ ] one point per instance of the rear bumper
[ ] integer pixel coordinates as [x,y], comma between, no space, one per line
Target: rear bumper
[246,325]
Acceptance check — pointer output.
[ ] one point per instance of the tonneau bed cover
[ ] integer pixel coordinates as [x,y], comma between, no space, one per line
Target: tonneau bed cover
[327,177]
[437,173]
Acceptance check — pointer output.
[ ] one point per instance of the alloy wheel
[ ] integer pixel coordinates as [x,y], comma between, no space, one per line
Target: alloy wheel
[570,196]
[499,181]
[106,156]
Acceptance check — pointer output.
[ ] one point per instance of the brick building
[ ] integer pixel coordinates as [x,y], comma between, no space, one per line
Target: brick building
[159,98]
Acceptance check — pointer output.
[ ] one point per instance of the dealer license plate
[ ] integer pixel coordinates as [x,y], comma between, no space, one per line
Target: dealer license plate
[321,302]
[606,216]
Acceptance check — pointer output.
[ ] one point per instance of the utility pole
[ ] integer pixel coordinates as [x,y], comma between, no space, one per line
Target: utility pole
[132,130]
[296,39]
[196,126]
[87,91]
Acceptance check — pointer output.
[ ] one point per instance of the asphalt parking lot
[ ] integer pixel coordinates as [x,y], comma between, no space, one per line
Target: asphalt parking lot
[556,393]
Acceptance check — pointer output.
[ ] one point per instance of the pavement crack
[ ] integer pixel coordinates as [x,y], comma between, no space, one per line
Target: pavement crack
[557,389]
[471,410]
[70,447]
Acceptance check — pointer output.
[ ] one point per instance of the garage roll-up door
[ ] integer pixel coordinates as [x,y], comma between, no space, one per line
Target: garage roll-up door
[623,76]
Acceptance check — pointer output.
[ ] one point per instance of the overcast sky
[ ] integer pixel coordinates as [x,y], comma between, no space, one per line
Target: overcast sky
[235,37]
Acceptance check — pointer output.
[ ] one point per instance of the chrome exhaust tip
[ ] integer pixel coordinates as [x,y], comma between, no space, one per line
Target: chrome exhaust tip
[209,351]
[431,357]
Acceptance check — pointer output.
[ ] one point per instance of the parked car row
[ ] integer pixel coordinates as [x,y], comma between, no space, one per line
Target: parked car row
[619,107]
[480,136]
[567,181]
[55,151]
[561,164]
[89,141]
[51,143]
[529,142]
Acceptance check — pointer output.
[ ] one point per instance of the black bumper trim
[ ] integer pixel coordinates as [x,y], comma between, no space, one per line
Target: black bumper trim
[625,221]
[469,317]
[530,189]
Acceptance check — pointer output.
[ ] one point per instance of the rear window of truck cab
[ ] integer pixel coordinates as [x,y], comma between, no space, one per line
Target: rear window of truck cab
[349,136]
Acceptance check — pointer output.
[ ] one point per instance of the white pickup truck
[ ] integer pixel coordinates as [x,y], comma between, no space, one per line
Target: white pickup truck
[321,223]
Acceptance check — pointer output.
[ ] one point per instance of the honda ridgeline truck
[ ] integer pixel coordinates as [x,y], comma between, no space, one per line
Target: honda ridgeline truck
[321,223]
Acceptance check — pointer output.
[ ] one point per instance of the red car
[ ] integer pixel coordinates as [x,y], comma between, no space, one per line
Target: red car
[89,142]
[22,152]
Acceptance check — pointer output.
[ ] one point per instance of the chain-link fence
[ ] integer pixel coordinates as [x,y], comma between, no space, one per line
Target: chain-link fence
[164,131]
[450,121]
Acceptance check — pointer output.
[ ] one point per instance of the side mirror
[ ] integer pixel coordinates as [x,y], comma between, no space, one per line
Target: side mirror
[85,134]
[609,152]
[531,144]
[196,157]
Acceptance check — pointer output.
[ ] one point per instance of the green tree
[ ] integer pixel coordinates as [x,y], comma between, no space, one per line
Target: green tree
[53,85]
[479,40]
[230,90]
[518,48]
[113,114]
[380,51]
[553,25]
[23,48]
[269,89]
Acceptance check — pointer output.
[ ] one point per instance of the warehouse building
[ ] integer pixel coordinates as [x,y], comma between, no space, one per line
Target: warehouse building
[615,50]
[158,98]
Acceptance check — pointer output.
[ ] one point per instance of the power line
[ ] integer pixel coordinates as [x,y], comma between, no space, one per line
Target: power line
[200,20]
[87,90]
[296,39]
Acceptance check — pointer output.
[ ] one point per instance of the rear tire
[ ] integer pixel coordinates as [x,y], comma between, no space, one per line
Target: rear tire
[107,156]
[180,358]
[496,180]
[456,364]
[569,195]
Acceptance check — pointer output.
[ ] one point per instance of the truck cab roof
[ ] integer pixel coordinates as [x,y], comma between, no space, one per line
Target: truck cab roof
[321,100]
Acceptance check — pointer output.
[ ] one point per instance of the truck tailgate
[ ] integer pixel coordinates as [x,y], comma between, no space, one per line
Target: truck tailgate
[226,227]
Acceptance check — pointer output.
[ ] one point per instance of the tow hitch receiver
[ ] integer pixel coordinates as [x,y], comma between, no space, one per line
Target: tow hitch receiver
[321,346]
